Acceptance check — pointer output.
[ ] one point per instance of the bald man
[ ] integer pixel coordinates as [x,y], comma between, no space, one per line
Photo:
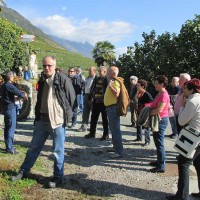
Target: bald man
[110,101]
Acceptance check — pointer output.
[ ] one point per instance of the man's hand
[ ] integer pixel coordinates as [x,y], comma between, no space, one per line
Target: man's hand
[25,96]
[110,83]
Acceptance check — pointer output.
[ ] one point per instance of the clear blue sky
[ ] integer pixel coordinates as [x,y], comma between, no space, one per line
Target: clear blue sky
[120,22]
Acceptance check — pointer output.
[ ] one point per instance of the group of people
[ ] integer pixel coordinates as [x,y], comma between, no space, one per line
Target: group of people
[57,106]
[180,102]
[25,73]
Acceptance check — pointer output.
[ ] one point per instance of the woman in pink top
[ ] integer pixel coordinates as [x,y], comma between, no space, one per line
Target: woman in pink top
[160,105]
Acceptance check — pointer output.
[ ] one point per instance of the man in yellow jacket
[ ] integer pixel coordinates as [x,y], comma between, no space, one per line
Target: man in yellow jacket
[110,101]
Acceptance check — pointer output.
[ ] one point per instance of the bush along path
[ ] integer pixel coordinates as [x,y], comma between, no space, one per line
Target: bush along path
[89,172]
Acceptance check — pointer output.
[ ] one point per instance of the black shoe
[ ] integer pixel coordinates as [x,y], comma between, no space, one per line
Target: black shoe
[89,136]
[172,197]
[20,175]
[110,150]
[146,144]
[153,163]
[157,170]
[73,125]
[197,195]
[137,140]
[104,137]
[55,182]
[173,136]
[82,129]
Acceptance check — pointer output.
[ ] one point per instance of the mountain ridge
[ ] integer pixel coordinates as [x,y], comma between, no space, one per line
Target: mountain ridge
[84,49]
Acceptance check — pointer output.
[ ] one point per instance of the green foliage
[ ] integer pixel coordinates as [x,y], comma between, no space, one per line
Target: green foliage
[12,51]
[167,54]
[103,53]
[189,46]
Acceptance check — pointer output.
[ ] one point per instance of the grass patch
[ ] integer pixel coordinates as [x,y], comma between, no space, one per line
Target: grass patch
[13,190]
[34,188]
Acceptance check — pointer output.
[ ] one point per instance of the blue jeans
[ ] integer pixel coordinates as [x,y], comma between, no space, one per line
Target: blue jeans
[172,121]
[9,130]
[159,143]
[147,134]
[114,125]
[41,132]
[80,102]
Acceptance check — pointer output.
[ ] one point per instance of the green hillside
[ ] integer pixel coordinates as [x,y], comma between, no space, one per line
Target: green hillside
[43,45]
[64,58]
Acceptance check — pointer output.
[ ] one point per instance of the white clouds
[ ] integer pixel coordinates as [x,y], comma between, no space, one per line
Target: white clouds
[120,51]
[84,30]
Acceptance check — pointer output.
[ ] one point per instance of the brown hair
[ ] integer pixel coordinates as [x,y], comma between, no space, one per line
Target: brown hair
[143,83]
[162,79]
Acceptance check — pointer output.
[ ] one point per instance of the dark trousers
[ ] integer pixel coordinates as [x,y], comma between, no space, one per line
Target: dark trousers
[147,134]
[10,126]
[86,111]
[133,109]
[183,169]
[75,111]
[98,108]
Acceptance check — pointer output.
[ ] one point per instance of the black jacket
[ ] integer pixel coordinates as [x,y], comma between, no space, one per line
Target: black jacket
[92,90]
[64,93]
[78,84]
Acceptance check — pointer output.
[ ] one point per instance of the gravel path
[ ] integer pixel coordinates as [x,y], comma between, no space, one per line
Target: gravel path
[90,170]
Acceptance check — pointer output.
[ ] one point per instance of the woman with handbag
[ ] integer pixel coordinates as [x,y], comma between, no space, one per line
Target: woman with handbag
[189,115]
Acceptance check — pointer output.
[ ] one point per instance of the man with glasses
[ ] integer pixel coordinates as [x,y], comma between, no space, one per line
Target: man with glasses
[78,85]
[53,111]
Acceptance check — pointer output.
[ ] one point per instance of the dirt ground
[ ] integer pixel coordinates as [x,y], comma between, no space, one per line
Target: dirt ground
[91,174]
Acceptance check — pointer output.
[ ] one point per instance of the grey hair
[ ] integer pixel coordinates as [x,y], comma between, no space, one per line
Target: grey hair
[103,67]
[79,68]
[8,74]
[186,76]
[176,78]
[52,57]
[134,78]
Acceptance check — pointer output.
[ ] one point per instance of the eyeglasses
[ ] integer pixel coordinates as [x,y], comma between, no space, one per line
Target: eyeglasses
[47,66]
[70,71]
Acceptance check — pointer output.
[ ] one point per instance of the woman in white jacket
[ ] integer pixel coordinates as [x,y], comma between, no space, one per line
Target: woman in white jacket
[189,115]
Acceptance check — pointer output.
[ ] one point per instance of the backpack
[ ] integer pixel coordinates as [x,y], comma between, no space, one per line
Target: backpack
[123,99]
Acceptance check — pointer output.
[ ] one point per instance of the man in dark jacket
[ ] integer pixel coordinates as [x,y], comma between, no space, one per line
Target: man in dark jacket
[53,111]
[8,93]
[78,84]
[97,94]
